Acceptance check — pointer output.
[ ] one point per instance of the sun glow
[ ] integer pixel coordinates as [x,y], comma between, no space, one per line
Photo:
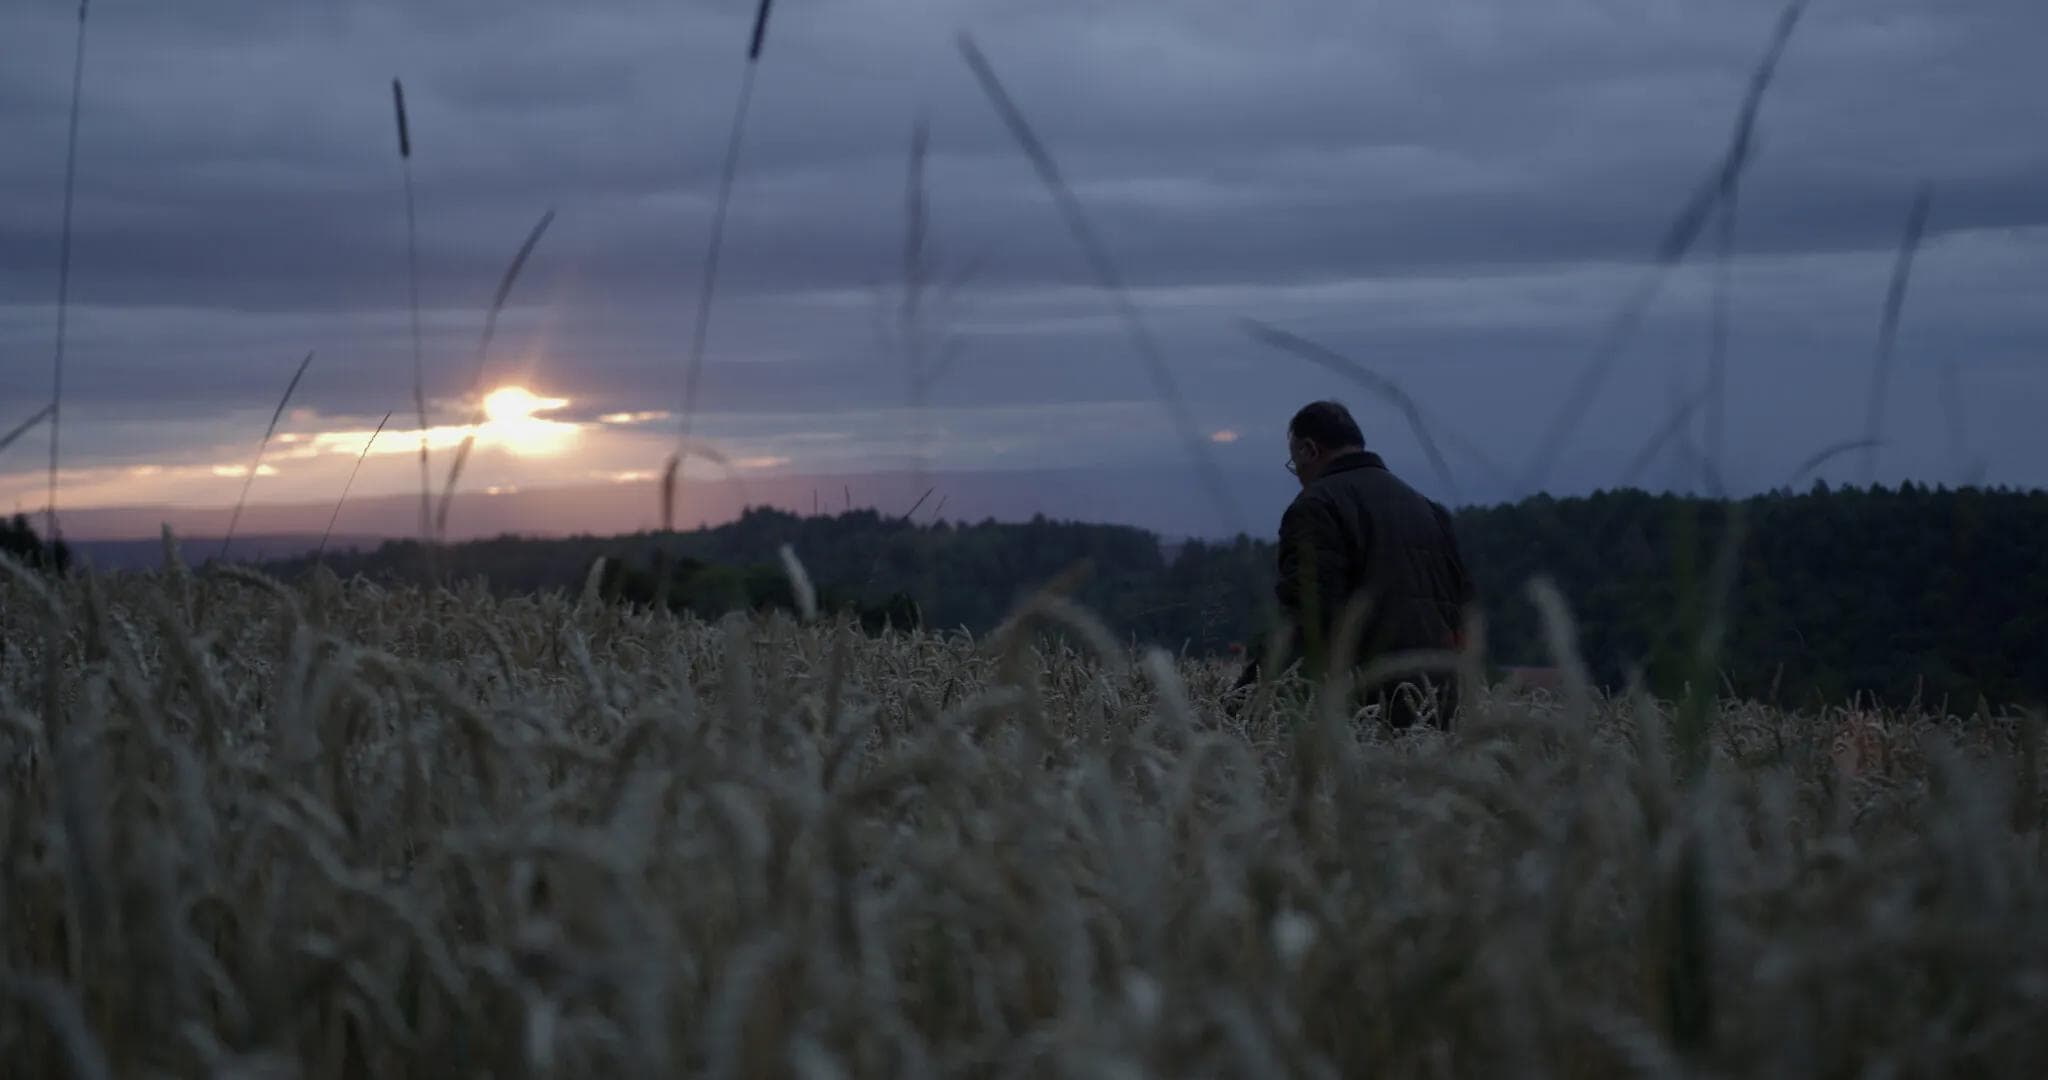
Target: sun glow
[511,403]
[512,421]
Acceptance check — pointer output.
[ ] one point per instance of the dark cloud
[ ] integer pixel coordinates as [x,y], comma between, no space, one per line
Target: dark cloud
[1449,189]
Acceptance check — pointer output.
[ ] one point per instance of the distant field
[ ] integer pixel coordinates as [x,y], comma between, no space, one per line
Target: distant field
[340,831]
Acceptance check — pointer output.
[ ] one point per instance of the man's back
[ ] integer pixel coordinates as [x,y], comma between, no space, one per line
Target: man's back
[1359,531]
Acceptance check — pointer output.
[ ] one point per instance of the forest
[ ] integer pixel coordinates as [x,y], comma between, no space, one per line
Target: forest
[1898,593]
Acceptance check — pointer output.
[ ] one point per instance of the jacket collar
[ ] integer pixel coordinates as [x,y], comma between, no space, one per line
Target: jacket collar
[1356,459]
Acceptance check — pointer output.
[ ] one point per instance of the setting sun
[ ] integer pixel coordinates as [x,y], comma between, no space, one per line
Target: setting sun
[512,422]
[513,403]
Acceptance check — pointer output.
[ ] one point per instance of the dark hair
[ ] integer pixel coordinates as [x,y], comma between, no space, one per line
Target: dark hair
[1327,424]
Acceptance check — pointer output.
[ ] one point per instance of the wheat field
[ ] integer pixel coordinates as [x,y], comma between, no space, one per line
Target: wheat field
[335,830]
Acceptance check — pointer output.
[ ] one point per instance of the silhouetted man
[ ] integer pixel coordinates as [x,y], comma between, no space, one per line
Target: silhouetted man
[1357,531]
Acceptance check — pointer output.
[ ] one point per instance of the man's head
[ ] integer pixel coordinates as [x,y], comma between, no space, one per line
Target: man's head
[1319,433]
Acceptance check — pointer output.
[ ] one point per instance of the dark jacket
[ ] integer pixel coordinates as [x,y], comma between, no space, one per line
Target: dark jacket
[1359,531]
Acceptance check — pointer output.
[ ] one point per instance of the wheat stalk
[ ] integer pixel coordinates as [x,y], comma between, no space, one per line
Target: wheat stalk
[538,832]
[256,463]
[351,482]
[1888,330]
[26,426]
[412,263]
[915,271]
[482,358]
[709,279]
[1380,385]
[1678,241]
[1109,278]
[1824,455]
[1714,462]
[1956,426]
[1674,426]
[64,263]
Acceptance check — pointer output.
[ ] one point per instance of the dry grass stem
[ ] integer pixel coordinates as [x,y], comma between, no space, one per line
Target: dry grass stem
[1685,229]
[1888,330]
[26,426]
[256,463]
[64,266]
[412,272]
[1111,280]
[328,532]
[483,352]
[1378,384]
[1824,455]
[708,279]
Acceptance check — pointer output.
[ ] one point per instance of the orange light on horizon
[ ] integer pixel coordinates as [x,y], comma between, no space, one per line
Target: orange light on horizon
[525,437]
[512,423]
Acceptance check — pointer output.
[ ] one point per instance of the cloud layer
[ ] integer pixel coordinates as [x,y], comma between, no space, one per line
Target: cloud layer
[1458,194]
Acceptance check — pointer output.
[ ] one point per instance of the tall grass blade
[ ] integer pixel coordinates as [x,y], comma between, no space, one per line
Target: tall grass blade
[1888,330]
[26,426]
[338,503]
[1682,407]
[1696,718]
[668,491]
[257,462]
[1952,413]
[505,283]
[920,502]
[1715,463]
[64,265]
[412,261]
[1673,426]
[1730,185]
[760,32]
[672,472]
[1371,380]
[1822,457]
[483,350]
[60,1010]
[1678,241]
[712,252]
[2026,795]
[799,583]
[1561,641]
[1112,281]
[881,547]
[914,274]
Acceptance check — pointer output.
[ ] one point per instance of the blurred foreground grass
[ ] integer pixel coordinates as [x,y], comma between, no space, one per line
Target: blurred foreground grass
[342,831]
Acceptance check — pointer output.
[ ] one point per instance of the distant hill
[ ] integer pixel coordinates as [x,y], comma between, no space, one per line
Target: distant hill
[1164,500]
[1893,592]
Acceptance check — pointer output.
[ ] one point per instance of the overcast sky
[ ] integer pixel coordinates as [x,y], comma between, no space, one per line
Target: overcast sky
[1458,194]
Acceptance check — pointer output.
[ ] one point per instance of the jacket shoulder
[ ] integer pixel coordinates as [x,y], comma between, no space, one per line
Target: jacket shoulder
[1307,509]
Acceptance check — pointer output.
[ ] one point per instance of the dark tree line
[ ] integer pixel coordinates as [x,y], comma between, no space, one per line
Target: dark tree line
[1892,592]
[19,539]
